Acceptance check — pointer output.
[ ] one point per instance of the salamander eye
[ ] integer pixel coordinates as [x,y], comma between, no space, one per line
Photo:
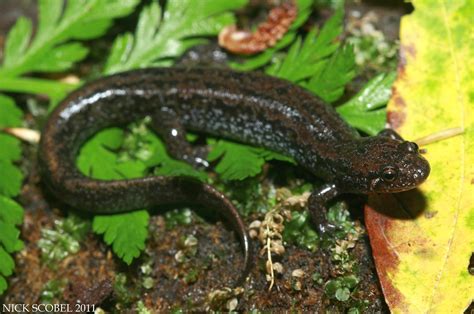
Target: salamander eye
[410,147]
[389,174]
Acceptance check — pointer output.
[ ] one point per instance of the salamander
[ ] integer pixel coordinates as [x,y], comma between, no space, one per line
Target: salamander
[251,108]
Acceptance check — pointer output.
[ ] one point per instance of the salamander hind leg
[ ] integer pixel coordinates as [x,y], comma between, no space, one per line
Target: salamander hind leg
[169,128]
[317,206]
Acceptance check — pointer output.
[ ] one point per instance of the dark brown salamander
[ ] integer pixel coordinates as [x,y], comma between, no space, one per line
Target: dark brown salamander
[248,107]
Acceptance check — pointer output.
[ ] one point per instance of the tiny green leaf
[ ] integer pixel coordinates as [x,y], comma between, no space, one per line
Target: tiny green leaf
[10,180]
[159,37]
[63,240]
[375,94]
[331,287]
[97,159]
[7,264]
[300,231]
[121,49]
[9,236]
[17,40]
[238,161]
[10,212]
[59,22]
[10,114]
[304,58]
[364,111]
[61,58]
[171,167]
[178,217]
[336,72]
[3,285]
[340,288]
[350,281]
[49,14]
[11,149]
[125,232]
[342,294]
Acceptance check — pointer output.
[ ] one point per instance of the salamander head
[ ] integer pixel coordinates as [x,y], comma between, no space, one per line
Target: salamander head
[383,165]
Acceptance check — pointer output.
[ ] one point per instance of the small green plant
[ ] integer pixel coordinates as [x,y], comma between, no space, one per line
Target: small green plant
[317,279]
[339,216]
[56,244]
[238,161]
[373,51]
[191,276]
[125,232]
[250,195]
[142,309]
[341,288]
[126,293]
[358,307]
[11,213]
[160,38]
[343,240]
[300,231]
[178,217]
[369,104]
[146,269]
[55,46]
[52,291]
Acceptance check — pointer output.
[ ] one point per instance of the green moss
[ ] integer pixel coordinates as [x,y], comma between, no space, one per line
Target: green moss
[250,195]
[341,288]
[63,240]
[178,217]
[191,276]
[52,291]
[125,293]
[300,231]
[142,309]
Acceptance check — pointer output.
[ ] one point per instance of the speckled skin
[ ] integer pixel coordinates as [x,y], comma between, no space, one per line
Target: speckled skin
[248,107]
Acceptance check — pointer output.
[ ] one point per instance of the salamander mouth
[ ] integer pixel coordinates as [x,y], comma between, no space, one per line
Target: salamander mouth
[397,189]
[391,189]
[377,186]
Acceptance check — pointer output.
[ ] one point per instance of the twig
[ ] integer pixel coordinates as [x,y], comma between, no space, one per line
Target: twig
[439,136]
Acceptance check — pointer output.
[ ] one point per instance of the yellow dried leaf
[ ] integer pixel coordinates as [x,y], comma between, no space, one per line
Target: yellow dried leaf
[423,240]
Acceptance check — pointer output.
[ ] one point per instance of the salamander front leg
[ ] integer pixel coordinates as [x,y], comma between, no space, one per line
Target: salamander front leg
[174,136]
[317,206]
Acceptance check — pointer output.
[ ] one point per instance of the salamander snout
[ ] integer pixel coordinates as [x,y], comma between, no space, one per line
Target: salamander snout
[414,165]
[417,168]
